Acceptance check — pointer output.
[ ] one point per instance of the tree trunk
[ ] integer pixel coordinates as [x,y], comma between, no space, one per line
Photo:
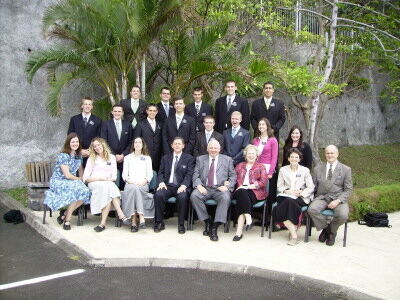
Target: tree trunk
[124,83]
[110,95]
[143,77]
[117,90]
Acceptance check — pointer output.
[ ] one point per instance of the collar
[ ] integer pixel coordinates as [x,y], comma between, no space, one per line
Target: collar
[120,120]
[268,99]
[134,99]
[163,103]
[174,154]
[236,128]
[150,120]
[211,158]
[195,103]
[180,115]
[86,116]
[232,97]
[209,132]
[333,165]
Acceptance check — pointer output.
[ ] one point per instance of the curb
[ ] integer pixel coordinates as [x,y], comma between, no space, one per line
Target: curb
[72,249]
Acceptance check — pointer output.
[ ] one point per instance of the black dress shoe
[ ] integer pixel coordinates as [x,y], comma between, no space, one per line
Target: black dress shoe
[213,234]
[207,230]
[181,229]
[237,238]
[99,228]
[67,226]
[60,219]
[331,239]
[134,228]
[324,235]
[158,227]
[249,227]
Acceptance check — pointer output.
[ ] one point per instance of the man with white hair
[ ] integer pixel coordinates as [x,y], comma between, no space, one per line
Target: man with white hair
[333,187]
[214,177]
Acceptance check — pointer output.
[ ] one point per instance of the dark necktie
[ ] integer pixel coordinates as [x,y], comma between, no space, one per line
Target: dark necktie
[175,181]
[197,109]
[210,177]
[85,121]
[330,172]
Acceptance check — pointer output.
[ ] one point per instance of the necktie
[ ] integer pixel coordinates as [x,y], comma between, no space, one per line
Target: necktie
[118,129]
[208,137]
[330,172]
[166,108]
[178,121]
[233,132]
[153,125]
[197,109]
[210,177]
[85,121]
[229,102]
[175,181]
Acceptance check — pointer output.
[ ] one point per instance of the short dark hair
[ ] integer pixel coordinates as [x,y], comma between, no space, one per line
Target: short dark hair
[117,105]
[177,98]
[210,117]
[198,89]
[67,147]
[178,138]
[230,80]
[165,88]
[135,86]
[295,150]
[268,82]
[150,105]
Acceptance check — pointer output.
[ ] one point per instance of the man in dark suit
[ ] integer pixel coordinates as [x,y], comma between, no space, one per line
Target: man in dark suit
[204,136]
[179,124]
[198,110]
[270,108]
[165,109]
[86,125]
[134,108]
[236,139]
[333,187]
[151,131]
[119,135]
[174,180]
[214,177]
[224,107]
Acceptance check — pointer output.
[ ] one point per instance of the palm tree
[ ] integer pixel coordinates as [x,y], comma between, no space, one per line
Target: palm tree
[99,41]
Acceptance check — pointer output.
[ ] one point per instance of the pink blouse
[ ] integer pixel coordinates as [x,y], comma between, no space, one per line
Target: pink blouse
[101,168]
[269,155]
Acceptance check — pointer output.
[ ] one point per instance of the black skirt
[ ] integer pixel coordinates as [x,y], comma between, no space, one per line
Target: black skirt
[288,209]
[244,201]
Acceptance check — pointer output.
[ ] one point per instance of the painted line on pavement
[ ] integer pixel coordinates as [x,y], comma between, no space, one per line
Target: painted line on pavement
[40,279]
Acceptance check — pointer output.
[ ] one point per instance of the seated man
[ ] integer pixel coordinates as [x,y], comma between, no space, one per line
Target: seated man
[205,135]
[174,180]
[214,178]
[236,139]
[333,186]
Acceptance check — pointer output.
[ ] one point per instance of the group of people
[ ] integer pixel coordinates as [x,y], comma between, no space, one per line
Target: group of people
[196,155]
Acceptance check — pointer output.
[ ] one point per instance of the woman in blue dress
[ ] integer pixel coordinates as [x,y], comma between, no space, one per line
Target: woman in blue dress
[66,189]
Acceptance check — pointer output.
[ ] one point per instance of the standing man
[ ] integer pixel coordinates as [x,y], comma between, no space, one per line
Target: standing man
[179,124]
[198,110]
[333,186]
[165,109]
[86,125]
[224,107]
[203,137]
[134,108]
[119,134]
[236,139]
[270,108]
[174,180]
[214,178]
[151,131]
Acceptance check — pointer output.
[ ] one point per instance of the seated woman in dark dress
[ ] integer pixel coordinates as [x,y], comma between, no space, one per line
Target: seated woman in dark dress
[295,188]
[251,181]
[295,140]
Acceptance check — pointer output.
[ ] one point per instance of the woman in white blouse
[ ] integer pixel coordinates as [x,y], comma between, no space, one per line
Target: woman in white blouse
[137,174]
[100,174]
[295,189]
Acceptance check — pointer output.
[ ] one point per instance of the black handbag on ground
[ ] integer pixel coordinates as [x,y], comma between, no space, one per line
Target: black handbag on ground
[375,220]
[14,216]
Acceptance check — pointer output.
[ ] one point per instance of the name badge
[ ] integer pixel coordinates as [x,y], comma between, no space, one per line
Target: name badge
[91,123]
[203,114]
[272,105]
[298,175]
[240,134]
[339,177]
[142,158]
[234,104]
[184,121]
[158,127]
[184,166]
[126,132]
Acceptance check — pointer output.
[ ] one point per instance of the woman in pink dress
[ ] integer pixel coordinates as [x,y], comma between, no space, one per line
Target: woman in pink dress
[100,174]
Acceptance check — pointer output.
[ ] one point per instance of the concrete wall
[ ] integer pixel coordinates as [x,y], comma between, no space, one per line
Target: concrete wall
[28,133]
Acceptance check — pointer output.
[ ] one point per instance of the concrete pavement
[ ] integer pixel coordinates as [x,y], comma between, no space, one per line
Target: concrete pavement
[369,264]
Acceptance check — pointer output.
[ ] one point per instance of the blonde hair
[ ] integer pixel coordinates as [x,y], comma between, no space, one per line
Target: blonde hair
[250,147]
[106,149]
[237,113]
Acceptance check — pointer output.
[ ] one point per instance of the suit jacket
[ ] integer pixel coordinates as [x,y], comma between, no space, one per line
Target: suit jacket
[109,133]
[205,110]
[303,181]
[129,115]
[224,171]
[186,130]
[223,116]
[201,142]
[339,187]
[257,175]
[153,140]
[275,114]
[183,173]
[161,115]
[86,134]
[233,147]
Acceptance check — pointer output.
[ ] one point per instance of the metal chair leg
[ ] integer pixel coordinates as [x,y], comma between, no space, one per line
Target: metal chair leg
[50,212]
[345,234]
[270,226]
[228,220]
[80,216]
[307,231]
[263,220]
[44,213]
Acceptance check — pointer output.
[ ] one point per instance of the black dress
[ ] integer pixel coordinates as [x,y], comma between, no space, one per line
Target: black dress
[305,149]
[288,209]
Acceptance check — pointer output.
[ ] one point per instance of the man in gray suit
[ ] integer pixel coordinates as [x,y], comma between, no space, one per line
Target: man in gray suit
[333,187]
[214,178]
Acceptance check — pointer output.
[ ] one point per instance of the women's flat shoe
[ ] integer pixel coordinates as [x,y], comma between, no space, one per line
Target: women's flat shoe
[237,238]
[67,226]
[142,225]
[99,228]
[293,242]
[125,221]
[60,219]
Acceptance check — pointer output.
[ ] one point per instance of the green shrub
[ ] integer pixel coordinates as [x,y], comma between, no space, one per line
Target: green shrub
[19,194]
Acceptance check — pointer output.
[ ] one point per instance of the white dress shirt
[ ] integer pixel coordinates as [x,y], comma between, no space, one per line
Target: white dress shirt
[267,101]
[232,97]
[152,123]
[171,177]
[333,168]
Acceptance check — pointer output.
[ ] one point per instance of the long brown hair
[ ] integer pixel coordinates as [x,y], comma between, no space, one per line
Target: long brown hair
[270,133]
[289,140]
[145,150]
[67,147]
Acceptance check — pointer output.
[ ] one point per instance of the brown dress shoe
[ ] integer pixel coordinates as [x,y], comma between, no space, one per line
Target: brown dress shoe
[331,239]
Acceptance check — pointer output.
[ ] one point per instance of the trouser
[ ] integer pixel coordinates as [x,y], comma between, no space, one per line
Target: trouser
[161,197]
[341,214]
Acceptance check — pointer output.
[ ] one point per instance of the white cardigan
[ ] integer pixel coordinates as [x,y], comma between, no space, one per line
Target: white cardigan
[137,168]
